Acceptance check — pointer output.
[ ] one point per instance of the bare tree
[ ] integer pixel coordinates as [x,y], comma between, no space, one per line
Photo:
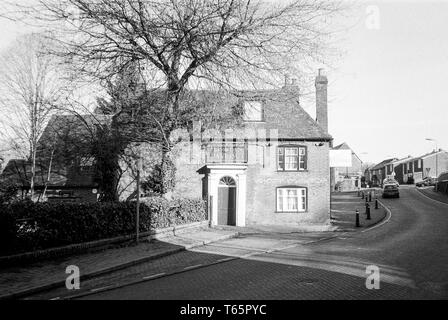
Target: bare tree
[29,92]
[181,44]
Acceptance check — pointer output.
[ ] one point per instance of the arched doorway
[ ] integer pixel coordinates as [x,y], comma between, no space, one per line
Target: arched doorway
[227,201]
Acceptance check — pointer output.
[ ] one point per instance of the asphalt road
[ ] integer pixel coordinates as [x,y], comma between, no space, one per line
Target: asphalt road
[410,250]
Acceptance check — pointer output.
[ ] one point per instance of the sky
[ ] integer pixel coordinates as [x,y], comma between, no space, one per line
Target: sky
[389,91]
[388,88]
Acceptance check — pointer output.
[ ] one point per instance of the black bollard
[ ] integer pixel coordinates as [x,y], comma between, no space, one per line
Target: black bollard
[376,204]
[367,198]
[362,195]
[357,219]
[368,212]
[370,196]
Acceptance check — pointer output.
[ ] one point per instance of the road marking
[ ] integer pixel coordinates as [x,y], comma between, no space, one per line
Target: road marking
[283,248]
[154,276]
[57,298]
[236,247]
[389,216]
[248,255]
[225,259]
[192,267]
[99,289]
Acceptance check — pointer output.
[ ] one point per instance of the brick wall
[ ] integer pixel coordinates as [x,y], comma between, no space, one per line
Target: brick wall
[188,180]
[262,184]
[262,181]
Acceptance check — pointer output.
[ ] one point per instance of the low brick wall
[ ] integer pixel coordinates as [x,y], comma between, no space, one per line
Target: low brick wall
[98,245]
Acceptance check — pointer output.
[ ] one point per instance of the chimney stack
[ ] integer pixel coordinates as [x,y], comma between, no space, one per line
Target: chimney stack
[291,82]
[321,100]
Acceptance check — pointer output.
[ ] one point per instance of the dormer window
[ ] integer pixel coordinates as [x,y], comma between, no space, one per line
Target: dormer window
[253,111]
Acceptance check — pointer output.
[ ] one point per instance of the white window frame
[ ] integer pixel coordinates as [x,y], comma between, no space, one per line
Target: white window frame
[299,157]
[253,111]
[292,199]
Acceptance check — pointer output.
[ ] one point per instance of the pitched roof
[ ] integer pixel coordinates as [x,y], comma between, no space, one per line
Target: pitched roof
[282,111]
[383,163]
[18,171]
[342,146]
[403,160]
[345,146]
[73,124]
[433,153]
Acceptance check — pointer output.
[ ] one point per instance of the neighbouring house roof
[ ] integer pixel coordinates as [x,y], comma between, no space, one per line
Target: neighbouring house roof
[73,125]
[433,153]
[404,160]
[345,146]
[383,163]
[425,156]
[18,171]
[342,146]
[281,112]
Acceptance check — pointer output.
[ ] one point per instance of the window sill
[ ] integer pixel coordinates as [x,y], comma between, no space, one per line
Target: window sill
[289,171]
[291,211]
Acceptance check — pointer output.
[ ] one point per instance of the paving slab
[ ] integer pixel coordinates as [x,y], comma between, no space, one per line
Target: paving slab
[21,281]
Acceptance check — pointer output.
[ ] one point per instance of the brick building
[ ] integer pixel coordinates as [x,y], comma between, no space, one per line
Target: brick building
[64,183]
[274,172]
[428,165]
[271,168]
[348,178]
[400,169]
[381,171]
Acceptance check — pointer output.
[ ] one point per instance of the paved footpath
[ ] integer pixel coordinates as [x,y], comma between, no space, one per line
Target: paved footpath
[252,243]
[410,250]
[17,280]
[343,211]
[431,193]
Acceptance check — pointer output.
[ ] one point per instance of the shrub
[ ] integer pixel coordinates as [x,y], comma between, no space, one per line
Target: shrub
[8,192]
[28,226]
[7,231]
[162,179]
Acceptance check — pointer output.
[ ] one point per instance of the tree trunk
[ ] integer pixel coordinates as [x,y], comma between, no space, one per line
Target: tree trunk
[168,174]
[109,145]
[48,174]
[33,172]
[109,169]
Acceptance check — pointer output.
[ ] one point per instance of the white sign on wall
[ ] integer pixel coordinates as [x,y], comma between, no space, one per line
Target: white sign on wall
[340,158]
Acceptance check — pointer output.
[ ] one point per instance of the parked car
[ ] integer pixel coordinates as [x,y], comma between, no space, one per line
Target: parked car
[390,181]
[391,190]
[428,181]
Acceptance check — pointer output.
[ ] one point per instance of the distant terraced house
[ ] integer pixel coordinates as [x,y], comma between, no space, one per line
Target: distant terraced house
[410,169]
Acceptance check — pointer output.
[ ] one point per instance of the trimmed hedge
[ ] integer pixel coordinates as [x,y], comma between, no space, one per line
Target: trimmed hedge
[27,226]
